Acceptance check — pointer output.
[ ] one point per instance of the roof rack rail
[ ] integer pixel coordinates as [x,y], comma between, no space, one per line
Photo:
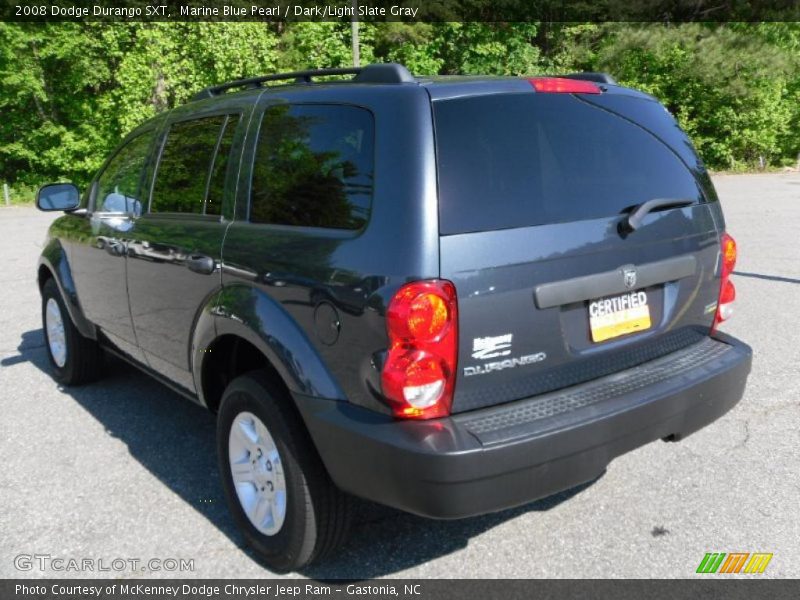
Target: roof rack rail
[589,76]
[376,73]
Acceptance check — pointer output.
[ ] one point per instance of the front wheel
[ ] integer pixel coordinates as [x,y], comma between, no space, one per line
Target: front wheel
[277,488]
[75,359]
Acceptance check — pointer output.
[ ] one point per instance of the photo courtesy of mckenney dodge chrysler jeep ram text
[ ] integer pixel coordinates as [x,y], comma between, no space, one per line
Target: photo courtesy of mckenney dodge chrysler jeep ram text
[448,295]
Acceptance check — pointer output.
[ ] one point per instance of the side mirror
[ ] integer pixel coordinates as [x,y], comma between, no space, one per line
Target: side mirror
[58,196]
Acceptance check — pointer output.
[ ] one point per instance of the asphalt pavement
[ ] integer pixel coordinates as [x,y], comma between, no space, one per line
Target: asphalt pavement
[124,469]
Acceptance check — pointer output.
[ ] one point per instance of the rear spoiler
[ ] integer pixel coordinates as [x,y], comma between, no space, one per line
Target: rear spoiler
[588,76]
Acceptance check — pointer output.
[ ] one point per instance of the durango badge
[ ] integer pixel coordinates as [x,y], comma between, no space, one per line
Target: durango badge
[495,347]
[506,363]
[491,347]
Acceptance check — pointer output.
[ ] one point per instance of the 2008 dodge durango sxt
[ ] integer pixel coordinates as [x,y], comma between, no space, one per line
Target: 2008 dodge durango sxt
[448,295]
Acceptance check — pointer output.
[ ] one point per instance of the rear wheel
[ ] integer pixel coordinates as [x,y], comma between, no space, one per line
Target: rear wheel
[278,491]
[75,359]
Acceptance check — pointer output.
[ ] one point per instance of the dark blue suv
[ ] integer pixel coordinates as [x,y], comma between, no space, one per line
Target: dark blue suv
[447,295]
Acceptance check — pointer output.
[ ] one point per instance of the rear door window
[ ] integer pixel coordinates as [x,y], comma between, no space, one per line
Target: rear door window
[191,171]
[519,160]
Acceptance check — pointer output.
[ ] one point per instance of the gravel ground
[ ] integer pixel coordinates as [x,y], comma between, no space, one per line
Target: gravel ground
[125,468]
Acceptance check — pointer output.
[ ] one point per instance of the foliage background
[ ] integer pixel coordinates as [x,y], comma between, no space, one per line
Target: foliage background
[70,91]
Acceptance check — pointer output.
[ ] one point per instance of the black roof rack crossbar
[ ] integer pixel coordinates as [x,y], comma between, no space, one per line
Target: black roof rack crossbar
[377,73]
[589,76]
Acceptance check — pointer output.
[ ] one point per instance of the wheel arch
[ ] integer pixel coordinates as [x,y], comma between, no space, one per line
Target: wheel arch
[243,329]
[53,264]
[227,357]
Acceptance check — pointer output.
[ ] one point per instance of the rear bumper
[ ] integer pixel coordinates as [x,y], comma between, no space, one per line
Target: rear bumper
[501,457]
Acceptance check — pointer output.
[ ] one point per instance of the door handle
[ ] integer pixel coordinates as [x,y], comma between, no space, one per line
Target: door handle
[200,263]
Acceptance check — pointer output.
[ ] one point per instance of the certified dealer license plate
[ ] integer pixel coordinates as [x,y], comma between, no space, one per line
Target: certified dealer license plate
[618,315]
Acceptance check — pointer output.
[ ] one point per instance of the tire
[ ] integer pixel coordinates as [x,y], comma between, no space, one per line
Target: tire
[74,359]
[258,422]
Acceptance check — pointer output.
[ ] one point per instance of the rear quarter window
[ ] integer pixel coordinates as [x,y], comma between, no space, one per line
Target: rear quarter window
[314,167]
[519,160]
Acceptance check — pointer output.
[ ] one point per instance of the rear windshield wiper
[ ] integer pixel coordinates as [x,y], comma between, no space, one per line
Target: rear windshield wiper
[633,221]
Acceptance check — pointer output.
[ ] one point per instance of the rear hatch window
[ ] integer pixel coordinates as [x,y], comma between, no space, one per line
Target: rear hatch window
[519,160]
[532,190]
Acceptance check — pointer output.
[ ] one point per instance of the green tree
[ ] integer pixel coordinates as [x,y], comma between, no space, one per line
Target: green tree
[312,45]
[70,91]
[487,48]
[733,88]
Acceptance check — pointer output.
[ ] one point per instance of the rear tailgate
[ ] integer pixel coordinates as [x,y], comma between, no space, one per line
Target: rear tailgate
[532,188]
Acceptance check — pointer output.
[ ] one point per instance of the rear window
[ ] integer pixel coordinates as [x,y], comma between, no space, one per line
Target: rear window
[509,161]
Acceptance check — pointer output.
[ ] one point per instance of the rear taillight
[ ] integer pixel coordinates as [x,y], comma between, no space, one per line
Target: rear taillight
[419,374]
[562,85]
[727,291]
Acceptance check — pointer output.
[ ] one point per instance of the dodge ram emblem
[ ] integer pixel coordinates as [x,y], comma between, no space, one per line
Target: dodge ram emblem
[629,277]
